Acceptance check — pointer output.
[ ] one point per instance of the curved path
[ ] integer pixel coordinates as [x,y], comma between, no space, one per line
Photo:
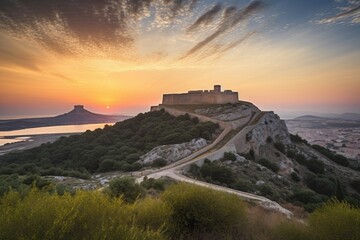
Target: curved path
[175,169]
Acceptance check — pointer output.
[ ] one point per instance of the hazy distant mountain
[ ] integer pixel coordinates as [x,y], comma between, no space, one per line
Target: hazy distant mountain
[309,117]
[349,116]
[344,116]
[78,115]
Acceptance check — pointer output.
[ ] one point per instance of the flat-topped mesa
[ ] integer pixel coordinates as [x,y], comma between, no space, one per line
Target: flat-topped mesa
[215,96]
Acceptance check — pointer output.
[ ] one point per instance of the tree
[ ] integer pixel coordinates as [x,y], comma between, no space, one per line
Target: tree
[217,173]
[339,192]
[295,177]
[270,165]
[356,185]
[107,165]
[321,185]
[316,166]
[126,188]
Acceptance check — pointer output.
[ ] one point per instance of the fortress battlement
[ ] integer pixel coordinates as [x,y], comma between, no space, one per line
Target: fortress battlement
[215,96]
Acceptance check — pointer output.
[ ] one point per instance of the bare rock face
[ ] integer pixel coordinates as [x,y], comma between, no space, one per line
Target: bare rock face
[228,112]
[172,153]
[269,127]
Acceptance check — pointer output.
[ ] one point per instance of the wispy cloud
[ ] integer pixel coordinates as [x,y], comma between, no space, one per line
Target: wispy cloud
[112,29]
[237,42]
[58,75]
[14,54]
[232,18]
[206,18]
[349,13]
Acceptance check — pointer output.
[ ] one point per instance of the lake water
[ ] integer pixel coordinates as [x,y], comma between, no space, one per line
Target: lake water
[46,130]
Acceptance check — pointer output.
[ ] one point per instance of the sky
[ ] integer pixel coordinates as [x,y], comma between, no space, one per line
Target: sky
[120,56]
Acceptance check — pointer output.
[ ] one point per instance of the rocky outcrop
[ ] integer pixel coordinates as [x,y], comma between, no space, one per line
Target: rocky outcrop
[173,152]
[269,127]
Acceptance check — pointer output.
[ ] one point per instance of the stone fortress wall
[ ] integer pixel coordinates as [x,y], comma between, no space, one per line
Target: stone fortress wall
[215,96]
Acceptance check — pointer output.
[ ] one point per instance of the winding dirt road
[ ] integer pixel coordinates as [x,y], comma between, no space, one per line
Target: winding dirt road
[176,169]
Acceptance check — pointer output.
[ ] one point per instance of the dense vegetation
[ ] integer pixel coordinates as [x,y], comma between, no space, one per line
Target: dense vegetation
[333,156]
[310,190]
[115,147]
[220,174]
[339,159]
[182,211]
[297,139]
[268,164]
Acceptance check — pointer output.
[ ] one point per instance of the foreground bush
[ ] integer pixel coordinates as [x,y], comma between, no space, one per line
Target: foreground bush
[183,211]
[333,221]
[87,215]
[290,231]
[200,213]
[337,220]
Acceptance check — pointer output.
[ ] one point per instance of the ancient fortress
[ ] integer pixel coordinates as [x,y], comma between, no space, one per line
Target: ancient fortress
[215,96]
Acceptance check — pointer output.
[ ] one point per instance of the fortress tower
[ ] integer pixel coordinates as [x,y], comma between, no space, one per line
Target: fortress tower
[214,96]
[78,107]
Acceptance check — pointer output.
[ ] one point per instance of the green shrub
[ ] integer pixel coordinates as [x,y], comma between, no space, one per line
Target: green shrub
[297,139]
[157,163]
[316,166]
[252,154]
[158,184]
[126,188]
[229,156]
[321,185]
[195,170]
[86,215]
[356,185]
[217,173]
[291,153]
[270,165]
[300,158]
[295,177]
[151,213]
[339,192]
[280,146]
[241,185]
[290,231]
[131,158]
[107,166]
[267,191]
[331,155]
[334,221]
[305,196]
[198,211]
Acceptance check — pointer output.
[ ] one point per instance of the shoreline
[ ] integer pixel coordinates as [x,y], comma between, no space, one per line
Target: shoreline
[34,140]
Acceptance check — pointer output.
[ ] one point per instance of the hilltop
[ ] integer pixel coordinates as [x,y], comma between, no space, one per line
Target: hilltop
[79,115]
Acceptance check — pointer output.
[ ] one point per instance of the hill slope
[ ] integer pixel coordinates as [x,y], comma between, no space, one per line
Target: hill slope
[117,147]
